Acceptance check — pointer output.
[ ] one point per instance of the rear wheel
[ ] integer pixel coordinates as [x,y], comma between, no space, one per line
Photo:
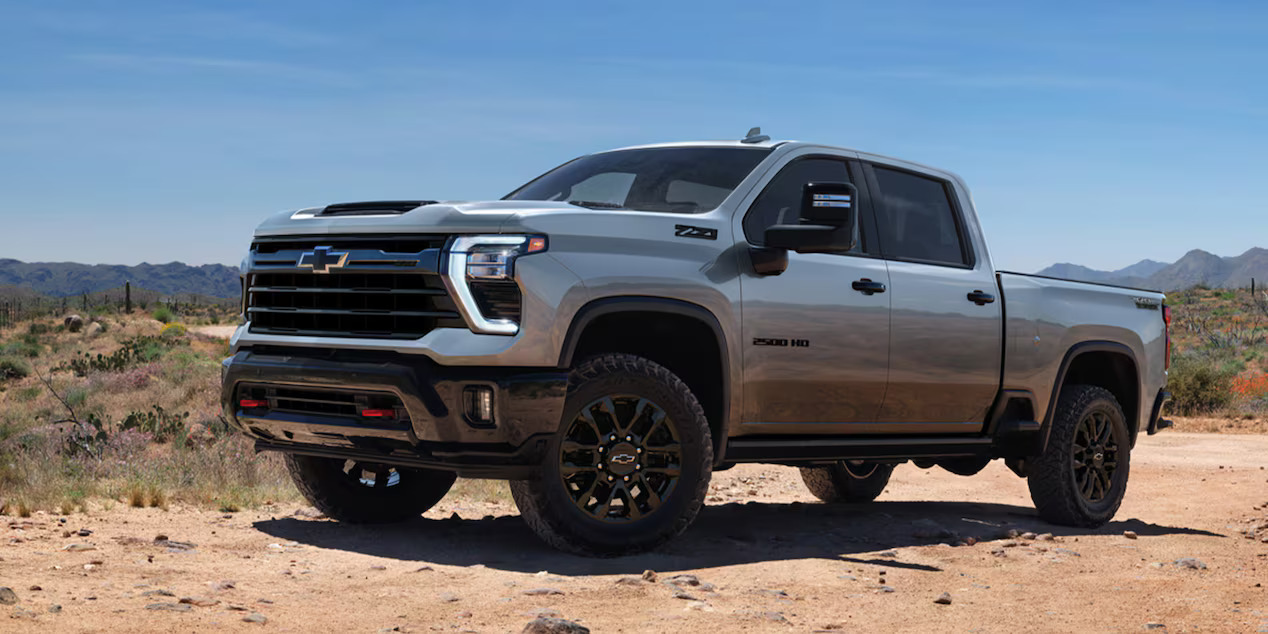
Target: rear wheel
[367,493]
[630,465]
[847,480]
[1081,478]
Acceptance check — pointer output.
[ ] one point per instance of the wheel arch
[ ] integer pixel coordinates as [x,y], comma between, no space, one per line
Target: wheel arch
[1106,364]
[686,338]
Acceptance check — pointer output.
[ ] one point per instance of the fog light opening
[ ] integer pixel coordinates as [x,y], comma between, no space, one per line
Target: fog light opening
[478,404]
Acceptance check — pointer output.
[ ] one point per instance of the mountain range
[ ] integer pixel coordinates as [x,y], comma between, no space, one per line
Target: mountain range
[62,279]
[1196,267]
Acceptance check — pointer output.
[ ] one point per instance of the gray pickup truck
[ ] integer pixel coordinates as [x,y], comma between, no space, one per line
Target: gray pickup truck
[609,334]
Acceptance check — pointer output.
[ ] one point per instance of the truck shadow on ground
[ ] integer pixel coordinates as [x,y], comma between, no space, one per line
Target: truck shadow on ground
[723,535]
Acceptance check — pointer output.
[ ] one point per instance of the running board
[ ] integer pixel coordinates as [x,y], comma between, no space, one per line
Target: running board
[818,449]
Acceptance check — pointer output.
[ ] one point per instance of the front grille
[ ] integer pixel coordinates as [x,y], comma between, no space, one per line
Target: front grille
[315,401]
[389,288]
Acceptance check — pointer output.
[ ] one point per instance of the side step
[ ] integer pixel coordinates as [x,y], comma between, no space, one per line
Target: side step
[818,448]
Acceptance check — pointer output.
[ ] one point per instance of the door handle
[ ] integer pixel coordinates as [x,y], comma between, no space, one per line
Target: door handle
[981,298]
[868,287]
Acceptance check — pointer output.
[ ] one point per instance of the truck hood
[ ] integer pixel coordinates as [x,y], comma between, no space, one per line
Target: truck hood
[438,217]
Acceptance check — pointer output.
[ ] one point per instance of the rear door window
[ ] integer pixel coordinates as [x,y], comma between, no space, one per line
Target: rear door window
[917,220]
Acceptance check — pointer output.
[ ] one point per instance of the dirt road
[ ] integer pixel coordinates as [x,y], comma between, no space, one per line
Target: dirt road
[773,560]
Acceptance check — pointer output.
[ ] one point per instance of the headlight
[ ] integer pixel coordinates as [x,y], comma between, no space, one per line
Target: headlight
[483,266]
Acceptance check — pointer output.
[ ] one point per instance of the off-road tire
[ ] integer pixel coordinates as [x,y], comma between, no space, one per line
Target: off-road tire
[1052,476]
[343,497]
[545,501]
[846,482]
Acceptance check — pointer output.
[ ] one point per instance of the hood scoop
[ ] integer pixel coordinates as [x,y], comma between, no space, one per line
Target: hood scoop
[375,208]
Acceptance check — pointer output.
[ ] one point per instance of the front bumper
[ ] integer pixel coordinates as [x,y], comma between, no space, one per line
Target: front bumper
[528,404]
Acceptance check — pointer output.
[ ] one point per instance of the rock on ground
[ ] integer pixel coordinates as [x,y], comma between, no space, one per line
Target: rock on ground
[554,626]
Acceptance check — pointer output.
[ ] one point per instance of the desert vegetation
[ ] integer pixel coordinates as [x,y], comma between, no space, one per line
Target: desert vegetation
[122,409]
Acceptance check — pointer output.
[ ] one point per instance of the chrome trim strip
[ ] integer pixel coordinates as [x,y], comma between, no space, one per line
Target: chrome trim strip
[456,279]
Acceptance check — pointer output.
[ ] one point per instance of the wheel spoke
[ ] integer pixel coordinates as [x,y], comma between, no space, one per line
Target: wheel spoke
[568,469]
[672,447]
[569,445]
[653,499]
[631,505]
[381,477]
[639,408]
[672,470]
[1085,484]
[584,499]
[587,419]
[601,511]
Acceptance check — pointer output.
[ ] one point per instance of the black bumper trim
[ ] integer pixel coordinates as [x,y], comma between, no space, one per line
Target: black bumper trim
[528,404]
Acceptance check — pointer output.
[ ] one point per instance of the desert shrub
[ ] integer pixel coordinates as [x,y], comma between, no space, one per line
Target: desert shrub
[173,331]
[160,424]
[137,350]
[36,328]
[163,314]
[11,368]
[22,349]
[1200,383]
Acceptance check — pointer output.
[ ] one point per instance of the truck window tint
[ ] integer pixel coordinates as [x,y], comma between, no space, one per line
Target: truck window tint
[916,219]
[676,179]
[608,187]
[780,202]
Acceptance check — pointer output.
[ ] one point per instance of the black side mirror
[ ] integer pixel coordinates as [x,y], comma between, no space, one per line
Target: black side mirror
[826,223]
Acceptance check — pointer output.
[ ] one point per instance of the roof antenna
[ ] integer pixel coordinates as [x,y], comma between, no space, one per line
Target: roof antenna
[755,136]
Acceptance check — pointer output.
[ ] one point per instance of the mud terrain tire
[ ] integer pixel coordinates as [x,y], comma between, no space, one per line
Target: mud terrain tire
[614,480]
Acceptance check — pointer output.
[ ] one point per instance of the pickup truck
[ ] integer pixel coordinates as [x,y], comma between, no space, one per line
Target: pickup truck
[609,334]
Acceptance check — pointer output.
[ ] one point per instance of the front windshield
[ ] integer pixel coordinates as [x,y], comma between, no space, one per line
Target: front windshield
[674,179]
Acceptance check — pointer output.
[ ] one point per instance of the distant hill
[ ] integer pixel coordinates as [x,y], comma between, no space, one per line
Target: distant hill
[1196,267]
[62,279]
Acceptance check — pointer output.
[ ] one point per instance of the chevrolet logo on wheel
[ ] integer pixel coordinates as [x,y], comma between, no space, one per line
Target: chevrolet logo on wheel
[623,458]
[322,260]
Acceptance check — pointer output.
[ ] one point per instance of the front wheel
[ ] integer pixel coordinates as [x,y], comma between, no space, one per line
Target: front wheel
[847,480]
[630,466]
[367,493]
[1081,477]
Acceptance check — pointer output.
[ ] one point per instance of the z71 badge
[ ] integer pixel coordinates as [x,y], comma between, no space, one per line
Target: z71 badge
[688,231]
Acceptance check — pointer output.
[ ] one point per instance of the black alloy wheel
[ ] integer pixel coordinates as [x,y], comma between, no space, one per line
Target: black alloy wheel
[1095,456]
[629,467]
[620,458]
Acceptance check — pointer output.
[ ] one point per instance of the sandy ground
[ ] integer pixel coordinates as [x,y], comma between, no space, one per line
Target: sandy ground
[220,332]
[776,560]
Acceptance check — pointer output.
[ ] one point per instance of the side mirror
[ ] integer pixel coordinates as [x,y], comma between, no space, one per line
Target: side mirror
[826,222]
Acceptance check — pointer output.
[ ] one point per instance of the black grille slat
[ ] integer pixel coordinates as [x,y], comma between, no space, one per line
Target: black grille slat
[378,304]
[327,402]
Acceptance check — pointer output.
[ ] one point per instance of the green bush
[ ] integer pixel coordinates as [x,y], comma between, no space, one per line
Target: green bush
[1200,383]
[37,328]
[11,368]
[163,314]
[173,331]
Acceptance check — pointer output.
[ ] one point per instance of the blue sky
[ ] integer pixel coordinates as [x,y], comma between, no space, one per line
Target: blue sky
[1097,133]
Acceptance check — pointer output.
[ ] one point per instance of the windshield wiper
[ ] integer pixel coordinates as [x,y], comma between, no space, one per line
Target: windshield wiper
[595,204]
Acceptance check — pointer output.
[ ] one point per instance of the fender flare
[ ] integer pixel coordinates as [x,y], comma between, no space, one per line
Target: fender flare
[1075,351]
[634,303]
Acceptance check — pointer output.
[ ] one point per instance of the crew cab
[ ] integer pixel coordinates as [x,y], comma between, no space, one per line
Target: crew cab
[612,332]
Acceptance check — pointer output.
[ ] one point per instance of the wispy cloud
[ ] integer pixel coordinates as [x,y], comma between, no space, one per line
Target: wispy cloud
[166,63]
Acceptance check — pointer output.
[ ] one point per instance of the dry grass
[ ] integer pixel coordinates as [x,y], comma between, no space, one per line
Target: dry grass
[1221,424]
[38,472]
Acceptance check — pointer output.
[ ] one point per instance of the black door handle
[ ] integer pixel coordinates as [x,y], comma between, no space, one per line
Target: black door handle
[868,287]
[981,298]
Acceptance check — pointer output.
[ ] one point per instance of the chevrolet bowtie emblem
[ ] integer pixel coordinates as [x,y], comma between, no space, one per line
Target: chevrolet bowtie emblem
[322,260]
[623,458]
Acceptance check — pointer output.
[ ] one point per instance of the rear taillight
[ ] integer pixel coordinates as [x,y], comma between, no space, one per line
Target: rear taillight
[1166,321]
[248,403]
[379,413]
